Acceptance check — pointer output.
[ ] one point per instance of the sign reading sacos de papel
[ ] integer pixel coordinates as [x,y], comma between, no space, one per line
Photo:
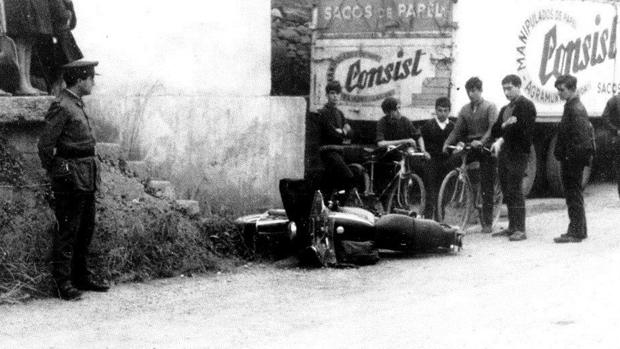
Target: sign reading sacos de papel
[368,76]
[552,42]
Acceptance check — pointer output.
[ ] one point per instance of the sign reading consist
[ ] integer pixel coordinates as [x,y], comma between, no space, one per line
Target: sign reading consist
[367,77]
[371,70]
[555,41]
[367,16]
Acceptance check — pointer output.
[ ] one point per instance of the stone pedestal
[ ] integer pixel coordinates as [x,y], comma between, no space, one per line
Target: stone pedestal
[21,122]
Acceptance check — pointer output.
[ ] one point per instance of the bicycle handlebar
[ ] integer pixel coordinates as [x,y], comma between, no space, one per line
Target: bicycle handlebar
[468,147]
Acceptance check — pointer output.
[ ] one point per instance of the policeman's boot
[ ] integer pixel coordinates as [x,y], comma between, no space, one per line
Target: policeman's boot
[68,292]
[86,283]
[82,277]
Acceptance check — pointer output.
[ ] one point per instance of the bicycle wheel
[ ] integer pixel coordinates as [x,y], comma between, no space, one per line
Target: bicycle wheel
[408,194]
[455,200]
[498,198]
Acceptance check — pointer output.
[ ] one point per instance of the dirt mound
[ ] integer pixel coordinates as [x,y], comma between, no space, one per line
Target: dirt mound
[138,237]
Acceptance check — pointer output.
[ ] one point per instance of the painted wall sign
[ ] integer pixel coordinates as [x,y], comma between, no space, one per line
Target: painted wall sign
[367,76]
[553,41]
[370,70]
[363,16]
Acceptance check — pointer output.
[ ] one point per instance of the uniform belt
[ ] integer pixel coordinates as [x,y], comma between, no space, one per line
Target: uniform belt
[76,154]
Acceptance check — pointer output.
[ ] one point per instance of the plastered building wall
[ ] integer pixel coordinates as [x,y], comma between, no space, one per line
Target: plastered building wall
[187,85]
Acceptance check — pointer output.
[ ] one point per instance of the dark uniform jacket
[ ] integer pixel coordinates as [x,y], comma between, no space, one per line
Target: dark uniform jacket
[518,136]
[575,134]
[67,146]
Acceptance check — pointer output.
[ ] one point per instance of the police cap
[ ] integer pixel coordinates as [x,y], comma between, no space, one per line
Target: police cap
[81,66]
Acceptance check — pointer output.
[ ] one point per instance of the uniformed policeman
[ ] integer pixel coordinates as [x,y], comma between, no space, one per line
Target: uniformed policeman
[67,152]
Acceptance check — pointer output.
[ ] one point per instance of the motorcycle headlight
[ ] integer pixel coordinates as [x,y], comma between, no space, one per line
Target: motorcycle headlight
[340,230]
[292,230]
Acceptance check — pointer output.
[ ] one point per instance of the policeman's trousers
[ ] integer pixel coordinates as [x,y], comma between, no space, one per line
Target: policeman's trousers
[75,213]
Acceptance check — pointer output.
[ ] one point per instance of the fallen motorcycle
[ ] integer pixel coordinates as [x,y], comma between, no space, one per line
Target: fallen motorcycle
[339,235]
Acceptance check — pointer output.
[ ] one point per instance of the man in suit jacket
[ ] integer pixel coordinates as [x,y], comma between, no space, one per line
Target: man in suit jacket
[513,132]
[435,132]
[574,150]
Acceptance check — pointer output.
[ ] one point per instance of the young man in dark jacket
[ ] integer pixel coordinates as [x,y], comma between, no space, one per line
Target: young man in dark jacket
[574,150]
[334,131]
[435,132]
[611,120]
[513,133]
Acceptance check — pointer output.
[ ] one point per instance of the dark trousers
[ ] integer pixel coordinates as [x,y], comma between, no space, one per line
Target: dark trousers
[511,170]
[337,174]
[486,178]
[616,150]
[433,174]
[572,174]
[75,212]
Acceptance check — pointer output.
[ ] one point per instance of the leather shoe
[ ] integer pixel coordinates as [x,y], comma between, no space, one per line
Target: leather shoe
[567,234]
[487,230]
[90,285]
[566,238]
[68,292]
[504,232]
[517,236]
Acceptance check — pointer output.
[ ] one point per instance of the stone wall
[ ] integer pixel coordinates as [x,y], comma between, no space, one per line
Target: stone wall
[290,47]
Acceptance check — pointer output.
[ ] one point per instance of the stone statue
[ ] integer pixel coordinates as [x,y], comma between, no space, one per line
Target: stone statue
[33,25]
[9,70]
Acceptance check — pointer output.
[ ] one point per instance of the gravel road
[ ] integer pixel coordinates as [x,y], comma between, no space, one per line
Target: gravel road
[492,294]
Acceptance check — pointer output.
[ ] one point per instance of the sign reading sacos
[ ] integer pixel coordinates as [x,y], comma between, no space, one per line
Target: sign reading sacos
[339,17]
[552,42]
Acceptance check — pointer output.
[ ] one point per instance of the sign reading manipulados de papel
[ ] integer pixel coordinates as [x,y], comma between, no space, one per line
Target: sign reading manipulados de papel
[576,40]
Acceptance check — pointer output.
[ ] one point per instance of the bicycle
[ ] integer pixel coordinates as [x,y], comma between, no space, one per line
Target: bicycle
[405,193]
[459,200]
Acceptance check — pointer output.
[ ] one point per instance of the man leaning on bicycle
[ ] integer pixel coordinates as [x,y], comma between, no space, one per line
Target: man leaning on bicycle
[473,126]
[394,129]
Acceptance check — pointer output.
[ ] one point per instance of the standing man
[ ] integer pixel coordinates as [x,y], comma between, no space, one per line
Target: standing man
[435,132]
[474,124]
[334,131]
[67,152]
[574,150]
[514,131]
[611,119]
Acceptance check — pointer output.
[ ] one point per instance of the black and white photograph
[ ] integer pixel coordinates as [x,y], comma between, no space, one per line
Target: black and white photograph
[309,174]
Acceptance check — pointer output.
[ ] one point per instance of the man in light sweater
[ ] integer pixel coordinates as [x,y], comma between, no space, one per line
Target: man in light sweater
[473,126]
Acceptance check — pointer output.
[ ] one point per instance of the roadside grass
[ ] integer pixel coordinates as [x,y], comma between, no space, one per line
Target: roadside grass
[135,240]
[139,242]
